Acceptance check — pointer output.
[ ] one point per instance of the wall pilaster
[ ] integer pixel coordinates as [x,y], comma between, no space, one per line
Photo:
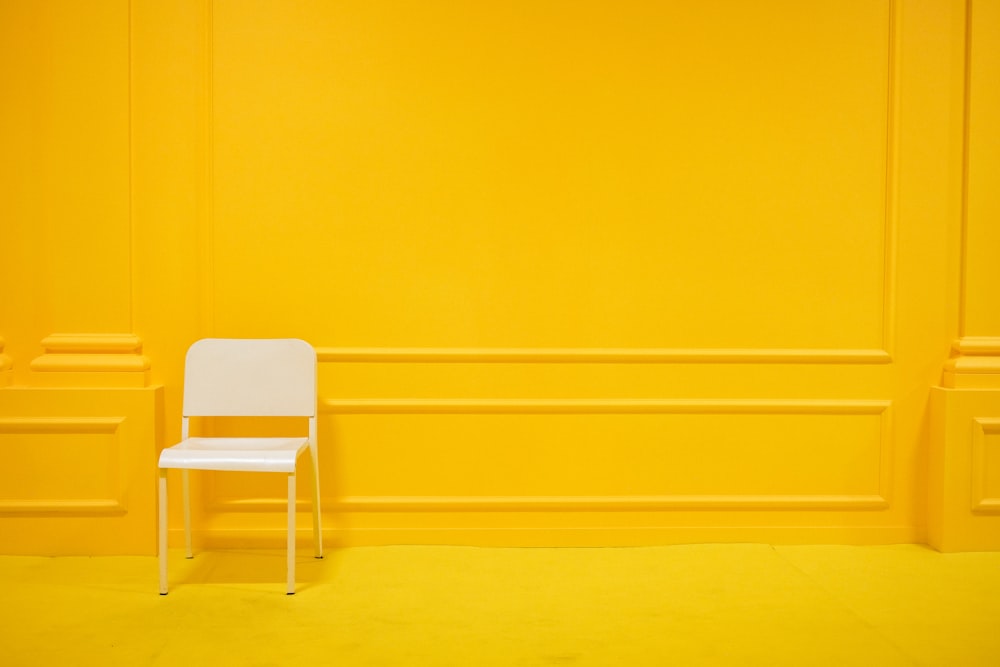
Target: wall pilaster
[964,481]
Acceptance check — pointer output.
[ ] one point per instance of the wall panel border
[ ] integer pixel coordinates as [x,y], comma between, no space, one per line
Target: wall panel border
[68,426]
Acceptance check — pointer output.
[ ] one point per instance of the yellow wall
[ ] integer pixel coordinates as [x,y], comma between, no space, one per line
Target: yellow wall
[577,272]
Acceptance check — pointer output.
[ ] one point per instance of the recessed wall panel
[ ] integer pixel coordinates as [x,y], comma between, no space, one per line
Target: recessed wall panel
[986,466]
[626,454]
[62,466]
[706,175]
[612,455]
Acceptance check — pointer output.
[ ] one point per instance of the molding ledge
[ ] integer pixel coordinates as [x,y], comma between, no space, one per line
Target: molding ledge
[975,364]
[92,360]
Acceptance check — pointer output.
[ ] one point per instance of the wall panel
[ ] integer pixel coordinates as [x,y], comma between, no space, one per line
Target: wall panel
[693,175]
[79,470]
[65,189]
[986,466]
[982,271]
[88,479]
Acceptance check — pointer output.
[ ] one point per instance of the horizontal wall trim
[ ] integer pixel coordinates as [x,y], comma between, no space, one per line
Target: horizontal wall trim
[92,343]
[673,503]
[599,355]
[601,406]
[977,345]
[88,507]
[609,503]
[48,425]
[987,506]
[553,536]
[90,363]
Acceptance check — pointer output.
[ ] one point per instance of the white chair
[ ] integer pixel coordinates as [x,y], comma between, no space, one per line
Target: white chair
[245,378]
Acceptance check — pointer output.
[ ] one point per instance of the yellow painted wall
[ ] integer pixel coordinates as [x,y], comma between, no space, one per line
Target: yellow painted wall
[577,272]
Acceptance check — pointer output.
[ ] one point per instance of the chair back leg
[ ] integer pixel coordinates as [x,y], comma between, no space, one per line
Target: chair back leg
[186,484]
[317,521]
[291,534]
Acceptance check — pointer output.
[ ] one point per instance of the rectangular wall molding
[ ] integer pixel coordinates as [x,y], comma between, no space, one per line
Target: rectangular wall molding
[985,455]
[610,503]
[111,504]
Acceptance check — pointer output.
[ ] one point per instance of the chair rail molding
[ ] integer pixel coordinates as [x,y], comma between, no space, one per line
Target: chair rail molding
[588,355]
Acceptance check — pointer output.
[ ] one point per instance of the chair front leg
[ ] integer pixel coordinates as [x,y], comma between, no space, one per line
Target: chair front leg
[162,532]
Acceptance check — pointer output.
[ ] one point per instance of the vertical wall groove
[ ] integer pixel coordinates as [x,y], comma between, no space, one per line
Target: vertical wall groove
[891,182]
[966,137]
[131,179]
[206,240]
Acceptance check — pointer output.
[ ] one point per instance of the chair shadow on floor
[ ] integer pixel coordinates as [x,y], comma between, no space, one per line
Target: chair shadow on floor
[257,568]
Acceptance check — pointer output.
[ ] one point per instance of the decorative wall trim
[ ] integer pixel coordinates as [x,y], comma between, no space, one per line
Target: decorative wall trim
[63,426]
[557,536]
[892,162]
[92,344]
[658,503]
[90,507]
[571,355]
[205,193]
[60,425]
[607,503]
[977,346]
[974,365]
[984,430]
[977,365]
[91,363]
[616,503]
[601,406]
[94,359]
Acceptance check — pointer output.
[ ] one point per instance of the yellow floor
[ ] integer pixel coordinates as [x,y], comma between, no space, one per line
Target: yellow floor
[679,605]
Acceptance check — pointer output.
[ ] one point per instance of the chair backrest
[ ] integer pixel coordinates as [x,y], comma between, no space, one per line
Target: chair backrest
[233,377]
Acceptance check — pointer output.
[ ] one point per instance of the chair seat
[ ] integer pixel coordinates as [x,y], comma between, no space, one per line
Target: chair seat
[240,454]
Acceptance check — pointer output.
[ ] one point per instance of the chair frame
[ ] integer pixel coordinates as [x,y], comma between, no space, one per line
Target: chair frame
[193,407]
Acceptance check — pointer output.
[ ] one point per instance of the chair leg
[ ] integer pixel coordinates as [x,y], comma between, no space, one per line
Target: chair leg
[186,484]
[291,534]
[162,536]
[317,521]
